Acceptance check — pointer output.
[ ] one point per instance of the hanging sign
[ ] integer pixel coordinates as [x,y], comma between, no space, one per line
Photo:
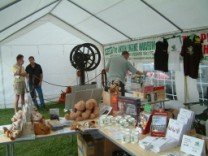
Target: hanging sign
[137,50]
[143,50]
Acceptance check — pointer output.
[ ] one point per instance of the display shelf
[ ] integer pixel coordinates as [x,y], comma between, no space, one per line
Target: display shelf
[162,102]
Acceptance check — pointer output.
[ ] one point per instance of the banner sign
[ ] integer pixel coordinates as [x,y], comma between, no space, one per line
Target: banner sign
[143,50]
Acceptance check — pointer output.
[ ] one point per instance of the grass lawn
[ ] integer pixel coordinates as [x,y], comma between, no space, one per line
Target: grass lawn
[58,146]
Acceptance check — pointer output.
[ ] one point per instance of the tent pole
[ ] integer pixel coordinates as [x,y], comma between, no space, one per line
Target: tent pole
[10,4]
[186,89]
[101,20]
[4,40]
[29,15]
[167,19]
[2,79]
[70,26]
[55,6]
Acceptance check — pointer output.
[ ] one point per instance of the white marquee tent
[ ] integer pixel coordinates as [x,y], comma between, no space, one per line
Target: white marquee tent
[49,29]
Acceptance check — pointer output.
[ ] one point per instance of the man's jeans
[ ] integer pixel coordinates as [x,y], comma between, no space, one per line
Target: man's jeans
[33,90]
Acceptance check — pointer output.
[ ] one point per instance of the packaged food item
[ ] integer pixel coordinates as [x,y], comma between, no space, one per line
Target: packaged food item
[159,123]
[84,110]
[129,106]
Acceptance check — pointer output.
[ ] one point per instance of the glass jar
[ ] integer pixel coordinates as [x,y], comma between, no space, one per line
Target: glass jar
[127,117]
[117,120]
[103,120]
[126,137]
[134,137]
[124,123]
[131,121]
[109,120]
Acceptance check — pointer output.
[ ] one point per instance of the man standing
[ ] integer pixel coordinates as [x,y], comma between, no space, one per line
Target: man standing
[19,81]
[118,66]
[35,75]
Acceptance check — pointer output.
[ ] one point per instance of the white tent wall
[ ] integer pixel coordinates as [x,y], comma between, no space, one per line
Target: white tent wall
[50,41]
[2,91]
[55,64]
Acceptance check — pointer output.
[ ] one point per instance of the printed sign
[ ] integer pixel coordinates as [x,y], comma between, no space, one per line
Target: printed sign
[143,50]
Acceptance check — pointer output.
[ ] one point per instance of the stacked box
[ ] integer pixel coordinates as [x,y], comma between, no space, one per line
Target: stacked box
[159,93]
[110,98]
[148,89]
[139,94]
[148,96]
[129,106]
[151,93]
[89,146]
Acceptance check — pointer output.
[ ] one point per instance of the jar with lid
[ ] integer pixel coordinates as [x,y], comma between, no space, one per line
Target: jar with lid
[109,120]
[134,137]
[124,123]
[131,121]
[126,137]
[127,117]
[117,120]
[102,120]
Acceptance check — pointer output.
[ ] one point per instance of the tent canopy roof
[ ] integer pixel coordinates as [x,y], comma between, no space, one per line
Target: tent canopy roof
[57,35]
[103,21]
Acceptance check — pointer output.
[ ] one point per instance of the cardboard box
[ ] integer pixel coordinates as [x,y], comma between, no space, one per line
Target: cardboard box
[111,100]
[129,105]
[159,93]
[139,94]
[109,148]
[148,89]
[106,98]
[144,96]
[151,93]
[88,146]
[85,145]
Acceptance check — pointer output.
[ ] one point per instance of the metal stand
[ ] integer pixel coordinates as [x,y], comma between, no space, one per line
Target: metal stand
[10,149]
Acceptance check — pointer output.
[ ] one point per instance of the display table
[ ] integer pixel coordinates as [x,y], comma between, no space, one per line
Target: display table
[132,149]
[10,144]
